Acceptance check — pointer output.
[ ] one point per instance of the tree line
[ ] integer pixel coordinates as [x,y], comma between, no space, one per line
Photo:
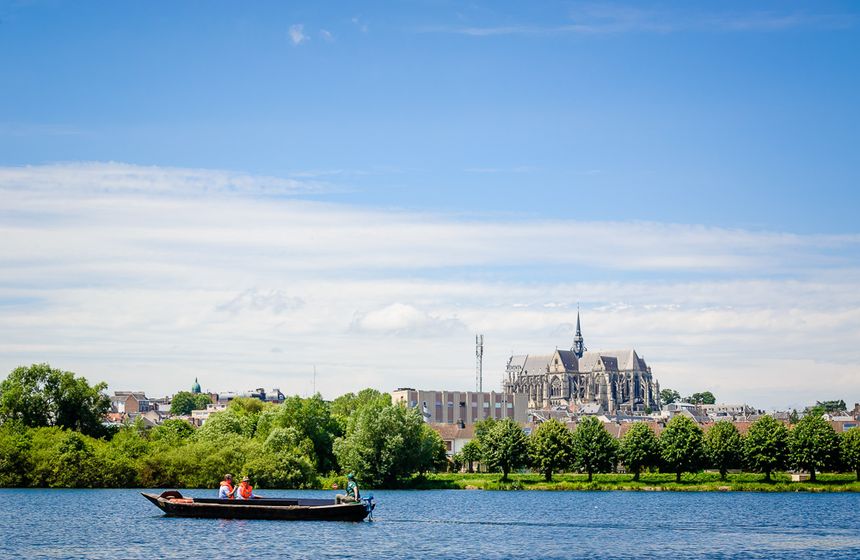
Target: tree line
[52,435]
[769,446]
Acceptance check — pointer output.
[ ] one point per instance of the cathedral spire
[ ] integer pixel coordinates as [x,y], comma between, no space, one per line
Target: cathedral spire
[578,342]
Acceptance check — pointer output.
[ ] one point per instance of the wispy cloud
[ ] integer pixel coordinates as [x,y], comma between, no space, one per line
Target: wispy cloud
[89,178]
[137,282]
[326,35]
[297,34]
[601,19]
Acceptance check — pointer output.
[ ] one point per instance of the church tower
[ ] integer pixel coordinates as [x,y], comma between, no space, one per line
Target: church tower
[578,342]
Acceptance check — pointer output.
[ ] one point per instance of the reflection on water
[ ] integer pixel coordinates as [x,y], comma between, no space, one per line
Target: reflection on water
[445,524]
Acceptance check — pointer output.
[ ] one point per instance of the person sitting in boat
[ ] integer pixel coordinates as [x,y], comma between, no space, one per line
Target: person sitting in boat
[245,491]
[352,494]
[226,490]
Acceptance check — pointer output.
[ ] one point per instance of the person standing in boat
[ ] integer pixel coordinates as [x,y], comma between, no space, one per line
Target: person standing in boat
[245,491]
[226,490]
[352,494]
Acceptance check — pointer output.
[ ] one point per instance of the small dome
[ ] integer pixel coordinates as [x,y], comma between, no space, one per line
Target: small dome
[196,387]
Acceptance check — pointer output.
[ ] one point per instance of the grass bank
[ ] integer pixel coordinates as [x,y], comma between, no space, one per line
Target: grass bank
[699,482]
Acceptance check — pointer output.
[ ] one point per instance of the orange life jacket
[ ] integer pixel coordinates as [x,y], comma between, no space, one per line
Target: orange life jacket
[245,490]
[229,489]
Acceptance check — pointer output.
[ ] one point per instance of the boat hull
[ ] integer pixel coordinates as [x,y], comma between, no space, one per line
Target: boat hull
[279,509]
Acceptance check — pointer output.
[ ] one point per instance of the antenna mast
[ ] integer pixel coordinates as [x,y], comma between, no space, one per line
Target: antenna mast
[479,363]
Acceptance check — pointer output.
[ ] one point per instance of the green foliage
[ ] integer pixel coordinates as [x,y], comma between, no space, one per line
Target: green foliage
[505,446]
[813,445]
[669,396]
[282,470]
[594,450]
[724,447]
[172,432]
[639,449]
[311,418]
[221,424]
[702,398]
[832,406]
[551,448]
[766,446]
[851,450]
[682,446]
[346,405]
[39,396]
[471,453]
[384,444]
[15,460]
[184,402]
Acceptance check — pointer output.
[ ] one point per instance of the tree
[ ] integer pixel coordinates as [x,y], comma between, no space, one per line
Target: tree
[851,450]
[471,453]
[184,402]
[39,395]
[813,444]
[505,447]
[313,419]
[594,450]
[432,455]
[382,444]
[724,447]
[682,446]
[831,407]
[702,398]
[668,396]
[551,448]
[766,446]
[639,448]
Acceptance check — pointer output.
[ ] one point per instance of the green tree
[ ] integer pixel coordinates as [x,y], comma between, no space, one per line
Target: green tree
[724,447]
[594,450]
[551,448]
[382,444]
[471,453]
[668,396]
[638,449]
[702,398]
[813,445]
[682,446]
[313,420]
[184,402]
[832,406]
[851,450]
[432,455]
[766,446]
[42,396]
[172,432]
[505,446]
[15,461]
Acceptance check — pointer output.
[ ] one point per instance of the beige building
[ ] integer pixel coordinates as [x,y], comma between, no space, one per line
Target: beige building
[463,407]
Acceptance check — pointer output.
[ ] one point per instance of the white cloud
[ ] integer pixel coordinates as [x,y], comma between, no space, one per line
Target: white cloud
[297,34]
[147,277]
[326,35]
[399,318]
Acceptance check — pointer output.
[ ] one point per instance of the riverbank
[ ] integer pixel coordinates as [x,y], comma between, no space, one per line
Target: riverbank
[700,482]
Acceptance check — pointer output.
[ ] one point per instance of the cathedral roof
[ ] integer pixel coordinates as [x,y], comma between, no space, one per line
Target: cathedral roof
[625,360]
[568,359]
[537,364]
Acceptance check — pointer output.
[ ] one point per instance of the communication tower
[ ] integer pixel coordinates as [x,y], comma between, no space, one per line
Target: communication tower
[479,363]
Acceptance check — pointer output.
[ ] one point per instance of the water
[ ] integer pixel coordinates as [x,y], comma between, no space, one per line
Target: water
[445,524]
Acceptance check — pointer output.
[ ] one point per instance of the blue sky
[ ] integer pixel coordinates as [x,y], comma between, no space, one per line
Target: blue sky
[681,157]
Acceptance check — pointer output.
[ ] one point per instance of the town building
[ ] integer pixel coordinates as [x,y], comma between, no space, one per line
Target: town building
[463,407]
[617,380]
[129,402]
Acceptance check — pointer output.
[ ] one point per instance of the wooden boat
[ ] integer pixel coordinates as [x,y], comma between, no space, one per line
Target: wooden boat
[174,504]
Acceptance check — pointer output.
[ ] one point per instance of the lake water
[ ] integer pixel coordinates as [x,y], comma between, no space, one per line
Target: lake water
[445,524]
